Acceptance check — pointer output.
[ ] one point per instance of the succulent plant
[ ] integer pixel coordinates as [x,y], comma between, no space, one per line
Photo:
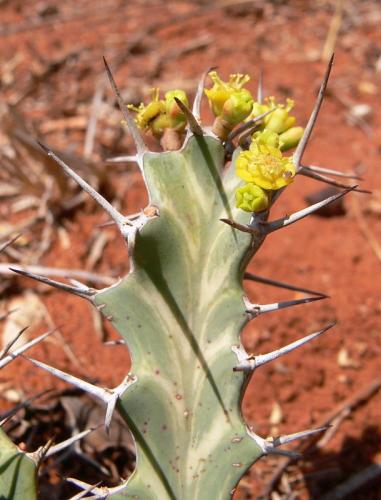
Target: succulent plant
[182,307]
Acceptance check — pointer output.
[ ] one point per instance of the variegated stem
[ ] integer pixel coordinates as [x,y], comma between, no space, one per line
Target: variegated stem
[180,312]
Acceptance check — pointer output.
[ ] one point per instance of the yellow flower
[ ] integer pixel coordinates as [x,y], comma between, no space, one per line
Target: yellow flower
[222,91]
[147,114]
[265,166]
[251,198]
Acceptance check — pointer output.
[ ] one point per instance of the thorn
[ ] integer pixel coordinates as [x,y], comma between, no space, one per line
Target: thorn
[88,490]
[81,292]
[328,180]
[269,227]
[297,157]
[131,217]
[279,284]
[260,87]
[68,442]
[17,352]
[98,392]
[8,347]
[79,285]
[123,159]
[284,453]
[39,455]
[100,493]
[132,127]
[24,404]
[76,274]
[330,171]
[254,362]
[269,449]
[196,109]
[108,396]
[289,438]
[101,468]
[110,412]
[256,309]
[9,242]
[98,198]
[6,419]
[116,393]
[191,119]
[240,227]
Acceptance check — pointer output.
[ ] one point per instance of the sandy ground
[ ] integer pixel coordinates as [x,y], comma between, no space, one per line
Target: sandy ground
[51,69]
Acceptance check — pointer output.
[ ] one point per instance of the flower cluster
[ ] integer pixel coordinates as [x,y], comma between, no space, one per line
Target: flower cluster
[263,166]
[279,121]
[161,114]
[229,100]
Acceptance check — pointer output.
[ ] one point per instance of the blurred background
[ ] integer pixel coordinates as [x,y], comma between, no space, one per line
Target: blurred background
[53,88]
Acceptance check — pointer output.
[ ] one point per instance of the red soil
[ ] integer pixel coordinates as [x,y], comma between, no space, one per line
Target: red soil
[331,255]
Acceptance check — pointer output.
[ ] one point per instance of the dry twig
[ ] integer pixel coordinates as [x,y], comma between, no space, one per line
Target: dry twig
[333,31]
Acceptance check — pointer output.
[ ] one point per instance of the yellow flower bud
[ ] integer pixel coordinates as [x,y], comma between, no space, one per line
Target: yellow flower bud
[265,166]
[222,91]
[176,117]
[289,122]
[279,121]
[290,139]
[237,107]
[251,198]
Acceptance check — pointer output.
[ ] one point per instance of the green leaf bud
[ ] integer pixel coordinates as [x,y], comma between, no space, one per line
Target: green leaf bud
[237,107]
[251,198]
[176,117]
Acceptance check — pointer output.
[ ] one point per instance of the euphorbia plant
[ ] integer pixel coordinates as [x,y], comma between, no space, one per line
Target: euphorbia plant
[182,307]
